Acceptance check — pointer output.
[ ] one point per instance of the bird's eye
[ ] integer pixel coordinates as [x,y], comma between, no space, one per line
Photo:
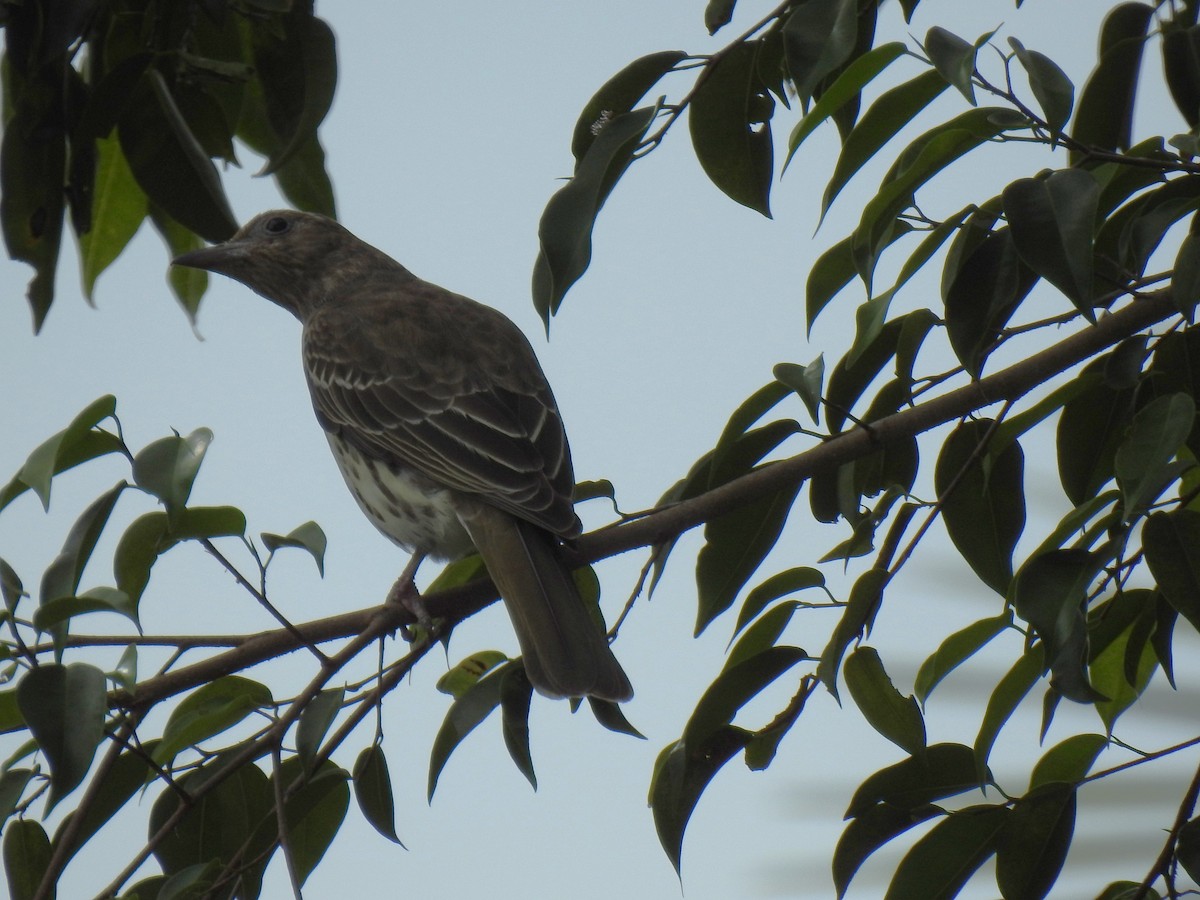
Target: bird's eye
[276,225]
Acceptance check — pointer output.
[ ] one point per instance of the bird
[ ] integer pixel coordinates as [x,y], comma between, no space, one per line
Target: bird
[443,425]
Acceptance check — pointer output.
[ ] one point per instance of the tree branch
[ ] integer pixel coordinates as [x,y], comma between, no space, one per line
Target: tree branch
[461,602]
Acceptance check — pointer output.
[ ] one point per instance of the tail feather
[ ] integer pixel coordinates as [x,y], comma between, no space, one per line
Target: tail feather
[563,645]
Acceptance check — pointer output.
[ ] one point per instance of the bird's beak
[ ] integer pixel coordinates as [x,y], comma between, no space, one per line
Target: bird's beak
[213,259]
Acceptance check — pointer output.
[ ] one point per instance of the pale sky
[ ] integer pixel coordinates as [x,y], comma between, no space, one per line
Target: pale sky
[449,131]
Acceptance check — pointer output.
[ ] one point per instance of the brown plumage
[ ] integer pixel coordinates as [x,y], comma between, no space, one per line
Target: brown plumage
[442,424]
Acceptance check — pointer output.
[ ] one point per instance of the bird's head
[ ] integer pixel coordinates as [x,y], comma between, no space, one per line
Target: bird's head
[286,256]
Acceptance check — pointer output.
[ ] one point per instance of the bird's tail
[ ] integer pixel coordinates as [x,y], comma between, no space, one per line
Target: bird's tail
[563,645]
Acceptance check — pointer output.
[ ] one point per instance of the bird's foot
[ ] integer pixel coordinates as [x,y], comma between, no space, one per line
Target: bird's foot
[404,593]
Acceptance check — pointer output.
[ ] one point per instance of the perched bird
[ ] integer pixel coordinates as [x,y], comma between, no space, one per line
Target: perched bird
[442,423]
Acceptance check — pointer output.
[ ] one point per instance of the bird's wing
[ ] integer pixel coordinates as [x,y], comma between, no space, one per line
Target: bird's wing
[446,386]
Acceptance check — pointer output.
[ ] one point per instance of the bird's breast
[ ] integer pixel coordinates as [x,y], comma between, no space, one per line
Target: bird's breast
[403,504]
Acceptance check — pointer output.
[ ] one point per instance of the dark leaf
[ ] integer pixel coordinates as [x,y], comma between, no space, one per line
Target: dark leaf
[61,578]
[373,791]
[867,832]
[314,723]
[620,94]
[717,14]
[894,110]
[1050,85]
[736,686]
[1049,593]
[467,711]
[735,544]
[729,120]
[1089,431]
[1052,221]
[957,649]
[941,862]
[1187,850]
[1171,541]
[1142,463]
[26,858]
[762,635]
[1181,65]
[865,597]
[1003,702]
[314,812]
[946,770]
[1069,761]
[894,716]
[779,585]
[953,58]
[1035,841]
[818,37]
[983,500]
[169,163]
[209,710]
[64,707]
[565,229]
[844,90]
[1104,119]
[681,774]
[515,695]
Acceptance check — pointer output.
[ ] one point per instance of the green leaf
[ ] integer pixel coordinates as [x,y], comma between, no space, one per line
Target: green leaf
[806,381]
[1181,65]
[1171,541]
[76,443]
[1155,436]
[167,468]
[818,37]
[314,813]
[983,500]
[867,832]
[681,774]
[50,615]
[565,229]
[32,167]
[1069,761]
[735,544]
[1052,221]
[1104,119]
[1185,280]
[865,597]
[62,576]
[957,649]
[298,76]
[515,695]
[1050,85]
[468,671]
[1128,890]
[763,634]
[778,585]
[619,95]
[847,87]
[187,284]
[1049,593]
[11,587]
[1003,702]
[468,710]
[851,377]
[729,120]
[982,295]
[953,58]
[169,163]
[894,110]
[373,791]
[220,825]
[736,686]
[26,858]
[894,716]
[920,161]
[309,537]
[946,770]
[64,707]
[1187,849]
[717,14]
[942,861]
[209,710]
[1035,841]
[1111,669]
[12,787]
[314,723]
[611,716]
[118,209]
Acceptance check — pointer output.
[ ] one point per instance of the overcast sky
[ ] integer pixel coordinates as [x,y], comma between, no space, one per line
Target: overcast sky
[450,130]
